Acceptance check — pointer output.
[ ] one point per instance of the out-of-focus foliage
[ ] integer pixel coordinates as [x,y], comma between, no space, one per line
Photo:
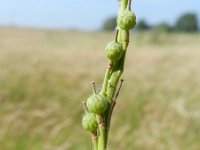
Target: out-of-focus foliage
[110,24]
[163,27]
[45,75]
[187,23]
[142,25]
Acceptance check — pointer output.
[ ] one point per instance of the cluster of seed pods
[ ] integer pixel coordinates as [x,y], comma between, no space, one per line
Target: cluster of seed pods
[99,104]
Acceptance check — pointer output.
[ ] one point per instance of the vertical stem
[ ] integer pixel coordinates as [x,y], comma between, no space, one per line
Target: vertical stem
[113,84]
[106,79]
[112,76]
[101,143]
[116,36]
[101,139]
[108,71]
[111,79]
[124,41]
[124,4]
[95,141]
[123,38]
[110,93]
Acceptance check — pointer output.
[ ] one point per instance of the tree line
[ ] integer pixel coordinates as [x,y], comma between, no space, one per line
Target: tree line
[187,22]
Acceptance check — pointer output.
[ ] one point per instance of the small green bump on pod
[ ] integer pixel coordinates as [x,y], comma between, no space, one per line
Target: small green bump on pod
[97,104]
[89,122]
[114,51]
[126,19]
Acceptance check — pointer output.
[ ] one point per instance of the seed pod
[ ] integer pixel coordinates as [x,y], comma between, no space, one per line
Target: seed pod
[114,51]
[97,104]
[126,19]
[89,122]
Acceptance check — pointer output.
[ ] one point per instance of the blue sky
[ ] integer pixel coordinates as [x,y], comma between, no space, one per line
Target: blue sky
[87,14]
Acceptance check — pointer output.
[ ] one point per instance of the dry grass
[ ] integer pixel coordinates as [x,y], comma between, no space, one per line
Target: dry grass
[45,75]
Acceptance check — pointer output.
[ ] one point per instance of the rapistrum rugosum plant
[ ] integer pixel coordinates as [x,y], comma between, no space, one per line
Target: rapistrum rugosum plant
[99,106]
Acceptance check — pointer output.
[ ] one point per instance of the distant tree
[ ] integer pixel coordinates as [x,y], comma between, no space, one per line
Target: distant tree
[142,25]
[162,27]
[110,24]
[187,22]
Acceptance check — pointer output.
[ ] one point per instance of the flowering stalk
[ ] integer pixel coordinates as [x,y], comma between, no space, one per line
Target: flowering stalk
[102,104]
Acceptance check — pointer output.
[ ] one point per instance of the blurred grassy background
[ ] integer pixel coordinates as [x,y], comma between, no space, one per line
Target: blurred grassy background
[45,75]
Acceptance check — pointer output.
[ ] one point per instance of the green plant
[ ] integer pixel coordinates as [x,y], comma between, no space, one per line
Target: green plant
[89,122]
[97,104]
[103,102]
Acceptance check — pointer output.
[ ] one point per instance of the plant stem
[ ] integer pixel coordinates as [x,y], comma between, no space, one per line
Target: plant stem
[109,89]
[113,84]
[111,79]
[101,143]
[110,94]
[106,79]
[123,38]
[123,4]
[101,138]
[95,141]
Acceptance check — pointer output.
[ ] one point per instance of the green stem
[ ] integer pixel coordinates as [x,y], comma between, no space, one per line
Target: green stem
[115,76]
[110,93]
[95,141]
[124,41]
[113,84]
[124,4]
[106,79]
[124,38]
[108,72]
[111,79]
[101,140]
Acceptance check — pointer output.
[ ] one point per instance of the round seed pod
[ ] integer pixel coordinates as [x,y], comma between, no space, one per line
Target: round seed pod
[126,19]
[89,122]
[97,104]
[114,51]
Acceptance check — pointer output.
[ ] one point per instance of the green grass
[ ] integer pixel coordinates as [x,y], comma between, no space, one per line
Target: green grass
[45,75]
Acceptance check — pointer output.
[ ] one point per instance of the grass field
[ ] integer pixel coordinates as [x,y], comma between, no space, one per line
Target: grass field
[45,75]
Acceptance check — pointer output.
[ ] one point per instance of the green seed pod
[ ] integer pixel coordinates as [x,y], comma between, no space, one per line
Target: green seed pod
[97,104]
[126,19]
[114,51]
[89,122]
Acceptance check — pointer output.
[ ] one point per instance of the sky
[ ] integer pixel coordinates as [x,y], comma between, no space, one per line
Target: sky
[88,14]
